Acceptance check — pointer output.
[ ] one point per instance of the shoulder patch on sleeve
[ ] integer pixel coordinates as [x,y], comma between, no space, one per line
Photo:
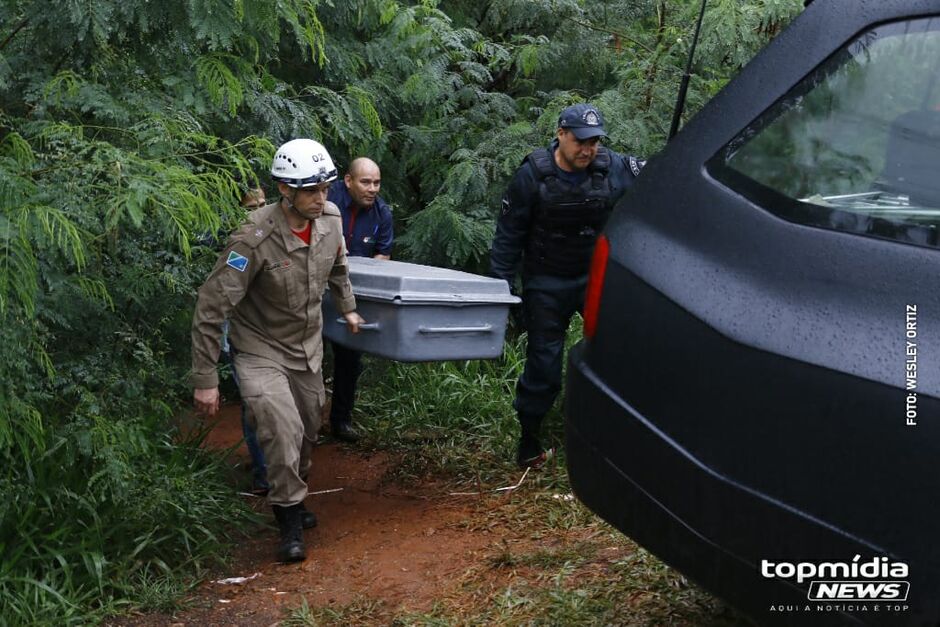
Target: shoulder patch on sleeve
[636,165]
[239,262]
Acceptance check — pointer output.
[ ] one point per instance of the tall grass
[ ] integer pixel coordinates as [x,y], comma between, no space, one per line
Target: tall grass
[88,525]
[454,418]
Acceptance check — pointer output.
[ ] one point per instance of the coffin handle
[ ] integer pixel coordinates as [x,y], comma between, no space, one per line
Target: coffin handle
[368,326]
[486,328]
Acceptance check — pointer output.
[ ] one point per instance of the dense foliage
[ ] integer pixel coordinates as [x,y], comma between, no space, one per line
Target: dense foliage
[126,131]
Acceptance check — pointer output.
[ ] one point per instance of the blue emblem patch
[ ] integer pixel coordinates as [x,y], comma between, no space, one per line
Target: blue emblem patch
[237,261]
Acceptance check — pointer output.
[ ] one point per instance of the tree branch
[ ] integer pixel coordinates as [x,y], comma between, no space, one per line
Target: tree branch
[18,28]
[651,75]
[612,32]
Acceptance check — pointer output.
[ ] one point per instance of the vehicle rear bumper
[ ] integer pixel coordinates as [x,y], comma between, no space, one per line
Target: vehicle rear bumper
[613,450]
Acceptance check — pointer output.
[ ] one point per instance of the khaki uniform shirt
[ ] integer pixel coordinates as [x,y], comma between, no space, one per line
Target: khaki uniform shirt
[270,284]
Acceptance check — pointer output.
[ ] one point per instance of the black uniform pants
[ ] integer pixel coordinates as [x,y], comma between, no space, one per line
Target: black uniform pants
[547,316]
[347,366]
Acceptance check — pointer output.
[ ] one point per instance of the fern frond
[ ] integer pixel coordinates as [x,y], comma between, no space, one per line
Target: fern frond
[97,290]
[17,149]
[219,81]
[18,269]
[367,109]
[59,228]
[63,85]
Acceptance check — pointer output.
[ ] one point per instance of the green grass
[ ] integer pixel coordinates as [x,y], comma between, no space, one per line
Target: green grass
[452,418]
[576,585]
[126,519]
[570,568]
[303,616]
[545,558]
[360,611]
[456,417]
[160,592]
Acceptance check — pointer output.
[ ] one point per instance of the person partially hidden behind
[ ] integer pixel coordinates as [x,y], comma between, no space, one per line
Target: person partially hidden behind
[368,232]
[269,281]
[552,212]
[252,199]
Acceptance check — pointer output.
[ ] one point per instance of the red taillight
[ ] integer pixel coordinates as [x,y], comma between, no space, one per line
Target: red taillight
[592,298]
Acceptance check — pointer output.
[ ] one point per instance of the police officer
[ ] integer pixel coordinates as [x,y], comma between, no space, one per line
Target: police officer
[269,282]
[368,232]
[552,212]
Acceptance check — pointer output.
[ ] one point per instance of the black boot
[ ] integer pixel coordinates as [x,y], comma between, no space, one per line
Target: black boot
[344,431]
[308,520]
[291,548]
[530,452]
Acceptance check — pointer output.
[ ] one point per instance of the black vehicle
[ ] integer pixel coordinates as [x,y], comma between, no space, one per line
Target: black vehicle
[757,397]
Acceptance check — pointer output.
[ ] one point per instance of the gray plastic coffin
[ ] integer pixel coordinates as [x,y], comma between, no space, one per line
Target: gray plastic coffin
[422,313]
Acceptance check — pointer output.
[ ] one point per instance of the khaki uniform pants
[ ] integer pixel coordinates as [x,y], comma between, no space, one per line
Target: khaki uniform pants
[285,408]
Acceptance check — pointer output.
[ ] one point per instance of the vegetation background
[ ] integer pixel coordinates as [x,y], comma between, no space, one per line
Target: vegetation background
[127,129]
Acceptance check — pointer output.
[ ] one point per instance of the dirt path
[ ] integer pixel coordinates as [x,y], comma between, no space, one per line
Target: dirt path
[375,541]
[385,553]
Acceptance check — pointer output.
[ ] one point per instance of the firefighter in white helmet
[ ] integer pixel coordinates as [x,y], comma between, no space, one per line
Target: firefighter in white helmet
[269,282]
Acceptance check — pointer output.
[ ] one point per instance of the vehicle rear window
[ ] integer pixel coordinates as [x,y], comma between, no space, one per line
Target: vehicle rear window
[856,145]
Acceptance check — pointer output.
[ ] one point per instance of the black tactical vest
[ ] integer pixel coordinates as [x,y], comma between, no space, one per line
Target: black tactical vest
[567,218]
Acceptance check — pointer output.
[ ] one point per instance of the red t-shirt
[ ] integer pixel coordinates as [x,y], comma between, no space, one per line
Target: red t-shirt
[304,233]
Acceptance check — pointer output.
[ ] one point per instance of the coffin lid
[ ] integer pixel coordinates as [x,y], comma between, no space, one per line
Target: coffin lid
[376,279]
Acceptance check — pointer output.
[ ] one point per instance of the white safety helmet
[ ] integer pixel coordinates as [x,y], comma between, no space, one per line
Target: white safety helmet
[303,163]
